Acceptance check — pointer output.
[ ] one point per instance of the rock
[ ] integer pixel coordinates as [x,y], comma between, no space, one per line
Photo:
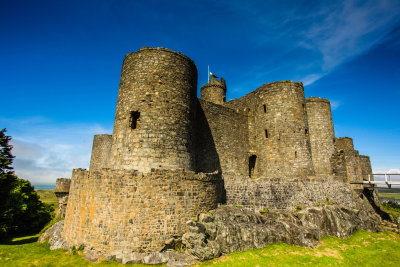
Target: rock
[53,236]
[134,258]
[155,258]
[176,259]
[231,229]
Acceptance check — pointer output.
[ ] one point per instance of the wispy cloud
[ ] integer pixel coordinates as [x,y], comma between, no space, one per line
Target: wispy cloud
[350,29]
[47,150]
[322,35]
[335,104]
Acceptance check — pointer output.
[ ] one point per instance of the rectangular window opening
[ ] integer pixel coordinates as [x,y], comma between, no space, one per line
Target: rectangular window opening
[266,133]
[265,108]
[135,115]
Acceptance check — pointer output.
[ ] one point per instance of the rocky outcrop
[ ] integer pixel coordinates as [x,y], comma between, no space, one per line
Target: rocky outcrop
[53,236]
[229,229]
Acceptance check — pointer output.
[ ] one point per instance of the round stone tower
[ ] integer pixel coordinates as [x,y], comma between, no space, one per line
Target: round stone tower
[153,125]
[100,151]
[214,91]
[322,134]
[282,130]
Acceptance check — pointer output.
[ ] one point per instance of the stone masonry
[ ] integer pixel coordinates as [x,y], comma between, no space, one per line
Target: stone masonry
[172,156]
[61,191]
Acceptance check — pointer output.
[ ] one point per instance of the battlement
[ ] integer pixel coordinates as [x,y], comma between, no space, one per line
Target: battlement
[344,143]
[214,91]
[163,50]
[62,185]
[317,99]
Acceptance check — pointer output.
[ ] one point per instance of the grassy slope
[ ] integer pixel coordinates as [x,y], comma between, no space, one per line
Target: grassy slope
[389,195]
[361,249]
[26,252]
[47,196]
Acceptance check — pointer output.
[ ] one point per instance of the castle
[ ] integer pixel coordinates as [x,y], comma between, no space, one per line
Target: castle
[172,156]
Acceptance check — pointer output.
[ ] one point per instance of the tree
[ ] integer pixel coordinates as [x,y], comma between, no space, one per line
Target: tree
[6,157]
[21,211]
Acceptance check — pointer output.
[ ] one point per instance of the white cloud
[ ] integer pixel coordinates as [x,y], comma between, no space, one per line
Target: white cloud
[45,150]
[332,32]
[311,78]
[350,29]
[335,104]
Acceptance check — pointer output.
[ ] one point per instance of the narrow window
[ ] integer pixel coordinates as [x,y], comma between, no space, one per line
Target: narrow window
[265,108]
[266,133]
[252,165]
[295,154]
[135,115]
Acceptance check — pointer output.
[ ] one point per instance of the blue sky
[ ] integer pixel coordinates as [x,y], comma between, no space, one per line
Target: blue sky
[60,64]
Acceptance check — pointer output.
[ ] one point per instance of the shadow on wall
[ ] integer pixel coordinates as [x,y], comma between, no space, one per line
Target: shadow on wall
[206,156]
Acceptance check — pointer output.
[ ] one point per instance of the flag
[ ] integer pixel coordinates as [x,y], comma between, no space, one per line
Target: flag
[213,75]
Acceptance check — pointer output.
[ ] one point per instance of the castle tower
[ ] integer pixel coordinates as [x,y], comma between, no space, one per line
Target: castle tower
[61,191]
[282,131]
[153,125]
[214,91]
[100,152]
[344,146]
[322,135]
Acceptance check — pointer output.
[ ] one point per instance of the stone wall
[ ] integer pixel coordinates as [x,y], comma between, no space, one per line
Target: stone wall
[366,169]
[214,91]
[222,139]
[322,134]
[287,194]
[352,161]
[61,190]
[153,125]
[278,130]
[123,209]
[101,151]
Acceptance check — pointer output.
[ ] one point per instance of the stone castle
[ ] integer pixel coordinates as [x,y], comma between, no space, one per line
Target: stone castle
[172,156]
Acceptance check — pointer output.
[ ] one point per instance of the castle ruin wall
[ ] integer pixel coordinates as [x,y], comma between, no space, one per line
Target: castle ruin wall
[322,134]
[153,125]
[128,210]
[222,139]
[279,128]
[352,161]
[61,190]
[214,91]
[287,194]
[101,152]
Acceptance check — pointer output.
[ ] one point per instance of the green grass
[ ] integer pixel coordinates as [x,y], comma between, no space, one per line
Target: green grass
[361,249]
[47,196]
[25,251]
[389,195]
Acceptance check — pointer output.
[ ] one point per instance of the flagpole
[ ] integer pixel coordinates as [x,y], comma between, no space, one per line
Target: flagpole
[208,73]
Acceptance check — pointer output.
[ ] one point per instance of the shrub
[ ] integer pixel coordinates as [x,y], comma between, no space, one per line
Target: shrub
[21,211]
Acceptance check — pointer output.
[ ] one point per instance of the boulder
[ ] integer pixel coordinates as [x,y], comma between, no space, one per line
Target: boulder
[53,236]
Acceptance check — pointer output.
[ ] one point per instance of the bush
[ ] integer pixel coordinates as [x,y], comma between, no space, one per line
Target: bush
[21,211]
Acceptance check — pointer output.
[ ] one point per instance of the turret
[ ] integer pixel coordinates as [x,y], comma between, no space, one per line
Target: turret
[322,135]
[214,91]
[62,191]
[153,125]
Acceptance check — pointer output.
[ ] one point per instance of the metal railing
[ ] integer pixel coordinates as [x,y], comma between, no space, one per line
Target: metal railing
[388,179]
